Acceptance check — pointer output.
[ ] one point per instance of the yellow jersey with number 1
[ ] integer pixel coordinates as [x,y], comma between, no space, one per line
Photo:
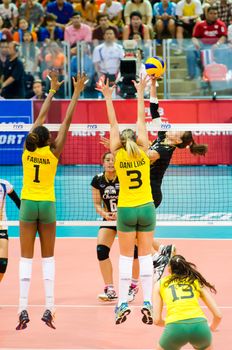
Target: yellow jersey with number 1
[39,170]
[181,299]
[134,179]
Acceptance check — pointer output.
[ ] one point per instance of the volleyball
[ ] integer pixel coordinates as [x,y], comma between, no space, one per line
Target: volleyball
[155,66]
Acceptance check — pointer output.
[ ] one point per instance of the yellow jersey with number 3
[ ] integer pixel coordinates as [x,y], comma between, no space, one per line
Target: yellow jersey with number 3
[181,299]
[134,179]
[39,170]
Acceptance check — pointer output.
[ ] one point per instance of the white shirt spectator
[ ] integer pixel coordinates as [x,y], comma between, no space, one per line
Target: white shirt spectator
[108,56]
[112,10]
[9,12]
[189,10]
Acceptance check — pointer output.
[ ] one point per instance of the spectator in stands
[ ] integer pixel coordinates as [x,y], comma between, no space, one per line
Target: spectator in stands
[33,12]
[77,31]
[29,54]
[205,5]
[136,26]
[5,34]
[38,90]
[63,10]
[13,75]
[224,8]
[114,11]
[207,35]
[107,56]
[23,27]
[188,12]
[9,14]
[50,31]
[142,6]
[88,10]
[54,58]
[165,14]
[103,24]
[4,52]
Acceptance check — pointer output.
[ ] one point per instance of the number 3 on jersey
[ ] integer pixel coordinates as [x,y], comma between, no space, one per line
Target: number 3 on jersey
[135,177]
[36,179]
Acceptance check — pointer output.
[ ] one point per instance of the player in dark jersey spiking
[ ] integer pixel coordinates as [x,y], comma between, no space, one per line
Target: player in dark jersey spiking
[164,147]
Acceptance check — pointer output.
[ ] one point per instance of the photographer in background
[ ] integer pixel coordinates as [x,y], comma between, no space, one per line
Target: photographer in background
[12,86]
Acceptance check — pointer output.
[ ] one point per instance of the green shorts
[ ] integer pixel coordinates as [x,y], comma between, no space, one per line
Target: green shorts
[194,331]
[136,219]
[42,211]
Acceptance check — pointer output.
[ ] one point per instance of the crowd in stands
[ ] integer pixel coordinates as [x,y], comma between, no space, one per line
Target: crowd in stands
[33,32]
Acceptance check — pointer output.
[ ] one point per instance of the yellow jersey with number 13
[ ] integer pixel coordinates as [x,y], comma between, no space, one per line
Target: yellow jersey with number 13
[39,170]
[134,179]
[181,299]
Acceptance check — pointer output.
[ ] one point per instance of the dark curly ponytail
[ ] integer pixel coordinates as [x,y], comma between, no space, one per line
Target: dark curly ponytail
[32,141]
[37,138]
[185,270]
[195,148]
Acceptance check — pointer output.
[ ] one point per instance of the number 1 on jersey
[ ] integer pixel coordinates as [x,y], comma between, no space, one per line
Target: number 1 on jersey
[36,179]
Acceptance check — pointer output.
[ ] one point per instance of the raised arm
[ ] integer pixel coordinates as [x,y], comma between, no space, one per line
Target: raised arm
[54,87]
[154,104]
[142,140]
[78,85]
[115,142]
[212,306]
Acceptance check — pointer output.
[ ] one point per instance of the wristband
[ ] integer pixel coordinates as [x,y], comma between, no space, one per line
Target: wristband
[52,90]
[154,100]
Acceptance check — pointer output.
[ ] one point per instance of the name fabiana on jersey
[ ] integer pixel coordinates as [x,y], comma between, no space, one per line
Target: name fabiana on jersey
[38,160]
[132,164]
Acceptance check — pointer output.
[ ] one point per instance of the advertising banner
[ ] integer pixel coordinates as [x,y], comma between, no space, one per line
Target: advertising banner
[83,147]
[11,143]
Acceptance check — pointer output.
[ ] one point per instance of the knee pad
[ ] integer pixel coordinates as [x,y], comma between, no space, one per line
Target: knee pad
[3,234]
[102,252]
[136,252]
[3,264]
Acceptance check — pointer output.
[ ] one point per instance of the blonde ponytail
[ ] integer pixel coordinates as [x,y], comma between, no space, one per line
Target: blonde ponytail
[128,139]
[132,149]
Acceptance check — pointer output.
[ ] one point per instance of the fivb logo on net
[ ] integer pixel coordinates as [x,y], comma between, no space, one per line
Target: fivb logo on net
[165,125]
[14,125]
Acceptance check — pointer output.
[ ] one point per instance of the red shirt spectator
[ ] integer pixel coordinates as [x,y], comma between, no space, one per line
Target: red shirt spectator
[210,32]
